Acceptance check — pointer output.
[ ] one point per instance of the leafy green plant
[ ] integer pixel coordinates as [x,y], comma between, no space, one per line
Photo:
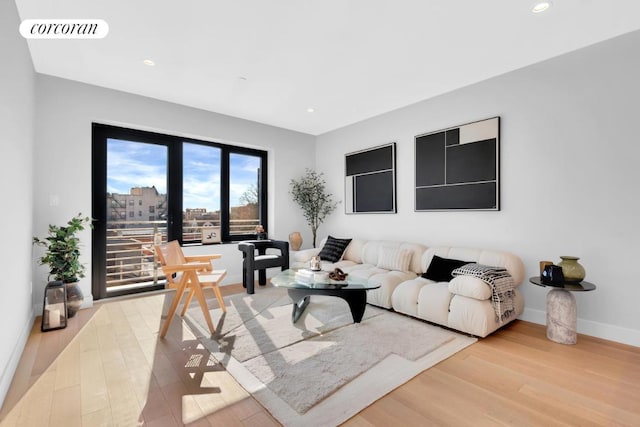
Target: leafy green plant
[63,250]
[310,194]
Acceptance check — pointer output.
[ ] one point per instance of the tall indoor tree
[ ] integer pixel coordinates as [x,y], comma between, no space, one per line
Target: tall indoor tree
[310,194]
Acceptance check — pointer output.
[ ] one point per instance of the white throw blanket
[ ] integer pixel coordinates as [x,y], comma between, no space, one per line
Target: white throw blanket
[500,282]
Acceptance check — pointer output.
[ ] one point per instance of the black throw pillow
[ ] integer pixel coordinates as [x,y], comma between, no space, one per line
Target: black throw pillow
[440,268]
[333,249]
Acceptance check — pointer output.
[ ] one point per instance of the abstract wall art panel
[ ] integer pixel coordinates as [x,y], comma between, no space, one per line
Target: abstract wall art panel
[370,180]
[458,168]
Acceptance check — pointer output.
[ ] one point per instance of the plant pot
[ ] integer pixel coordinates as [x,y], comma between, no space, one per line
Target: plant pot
[74,298]
[295,240]
[572,270]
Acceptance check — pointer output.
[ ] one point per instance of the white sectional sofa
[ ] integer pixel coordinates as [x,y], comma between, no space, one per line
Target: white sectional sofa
[360,260]
[462,304]
[459,304]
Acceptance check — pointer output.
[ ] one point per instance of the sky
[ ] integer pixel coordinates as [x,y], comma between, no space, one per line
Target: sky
[135,164]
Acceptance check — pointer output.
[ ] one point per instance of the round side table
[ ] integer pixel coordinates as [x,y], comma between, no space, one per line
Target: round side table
[562,312]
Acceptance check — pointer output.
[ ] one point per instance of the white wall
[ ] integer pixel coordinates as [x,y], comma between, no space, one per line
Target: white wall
[16,180]
[65,111]
[569,176]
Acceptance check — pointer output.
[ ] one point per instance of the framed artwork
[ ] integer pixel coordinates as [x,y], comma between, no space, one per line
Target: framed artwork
[210,234]
[370,180]
[458,168]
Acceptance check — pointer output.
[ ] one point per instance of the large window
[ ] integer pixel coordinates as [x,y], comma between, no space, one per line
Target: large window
[189,186]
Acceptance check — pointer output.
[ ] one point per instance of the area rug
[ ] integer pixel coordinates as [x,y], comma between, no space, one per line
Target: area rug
[323,369]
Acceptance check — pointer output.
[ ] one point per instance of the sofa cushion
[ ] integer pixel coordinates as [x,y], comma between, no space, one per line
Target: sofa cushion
[388,281]
[511,262]
[417,250]
[478,317]
[405,297]
[440,269]
[333,249]
[469,286]
[433,302]
[371,250]
[394,259]
[354,251]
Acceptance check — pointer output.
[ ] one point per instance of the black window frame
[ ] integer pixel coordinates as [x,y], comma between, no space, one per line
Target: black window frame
[102,132]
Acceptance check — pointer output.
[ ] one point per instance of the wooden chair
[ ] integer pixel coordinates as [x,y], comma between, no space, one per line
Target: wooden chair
[193,272]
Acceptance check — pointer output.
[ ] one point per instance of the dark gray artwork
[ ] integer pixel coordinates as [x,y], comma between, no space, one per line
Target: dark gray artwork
[457,168]
[370,183]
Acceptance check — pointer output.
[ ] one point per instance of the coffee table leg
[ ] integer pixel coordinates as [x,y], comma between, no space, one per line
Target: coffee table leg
[299,304]
[357,303]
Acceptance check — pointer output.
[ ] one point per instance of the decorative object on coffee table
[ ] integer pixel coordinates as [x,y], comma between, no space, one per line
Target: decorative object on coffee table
[315,264]
[295,241]
[573,271]
[562,312]
[338,275]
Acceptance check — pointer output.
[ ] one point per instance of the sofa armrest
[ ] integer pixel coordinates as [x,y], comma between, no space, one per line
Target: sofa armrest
[305,255]
[471,287]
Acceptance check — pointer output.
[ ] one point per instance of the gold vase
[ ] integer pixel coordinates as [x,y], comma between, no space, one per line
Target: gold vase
[571,269]
[295,240]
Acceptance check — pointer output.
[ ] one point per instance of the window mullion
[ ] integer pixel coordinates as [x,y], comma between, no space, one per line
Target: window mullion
[174,193]
[224,202]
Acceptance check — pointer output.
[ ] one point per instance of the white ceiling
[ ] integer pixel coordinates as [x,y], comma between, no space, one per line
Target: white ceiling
[271,60]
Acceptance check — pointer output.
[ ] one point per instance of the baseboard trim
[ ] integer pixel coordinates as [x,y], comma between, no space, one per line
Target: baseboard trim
[232,279]
[10,369]
[588,327]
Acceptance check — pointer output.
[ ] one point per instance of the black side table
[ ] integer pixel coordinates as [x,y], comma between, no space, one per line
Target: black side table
[562,312]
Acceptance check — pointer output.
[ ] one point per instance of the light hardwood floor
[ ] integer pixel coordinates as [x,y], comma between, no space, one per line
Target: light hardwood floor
[109,368]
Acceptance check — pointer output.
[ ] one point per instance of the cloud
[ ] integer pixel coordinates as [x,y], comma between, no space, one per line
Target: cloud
[134,164]
[201,192]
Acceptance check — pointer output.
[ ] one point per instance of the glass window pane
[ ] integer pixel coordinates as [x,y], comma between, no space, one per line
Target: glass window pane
[136,182]
[200,190]
[244,193]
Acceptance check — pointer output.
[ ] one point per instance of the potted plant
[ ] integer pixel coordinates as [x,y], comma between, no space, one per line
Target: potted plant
[63,258]
[316,204]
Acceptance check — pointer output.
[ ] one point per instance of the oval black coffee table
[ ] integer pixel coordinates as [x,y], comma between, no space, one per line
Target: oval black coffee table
[352,290]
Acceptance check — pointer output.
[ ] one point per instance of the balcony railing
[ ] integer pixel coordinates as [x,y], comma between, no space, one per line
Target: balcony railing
[131,260]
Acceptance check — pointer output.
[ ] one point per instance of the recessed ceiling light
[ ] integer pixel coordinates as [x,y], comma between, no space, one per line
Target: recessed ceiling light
[148,62]
[310,110]
[243,78]
[540,6]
